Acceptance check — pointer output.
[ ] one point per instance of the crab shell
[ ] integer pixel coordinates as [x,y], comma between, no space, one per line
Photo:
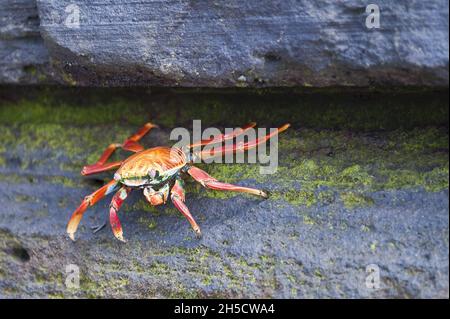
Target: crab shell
[153,166]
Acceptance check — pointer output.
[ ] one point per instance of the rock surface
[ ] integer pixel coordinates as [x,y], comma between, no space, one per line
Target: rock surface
[24,58]
[226,44]
[361,180]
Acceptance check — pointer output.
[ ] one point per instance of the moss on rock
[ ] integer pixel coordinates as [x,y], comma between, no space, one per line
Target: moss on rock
[73,135]
[334,156]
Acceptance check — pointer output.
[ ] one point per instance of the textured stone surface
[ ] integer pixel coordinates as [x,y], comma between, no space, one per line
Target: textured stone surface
[362,179]
[229,44]
[23,56]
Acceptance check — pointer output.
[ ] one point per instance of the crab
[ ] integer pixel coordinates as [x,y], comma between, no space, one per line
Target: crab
[159,173]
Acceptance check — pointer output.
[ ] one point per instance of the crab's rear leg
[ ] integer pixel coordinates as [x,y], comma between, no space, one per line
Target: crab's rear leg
[130,144]
[233,148]
[210,182]
[114,207]
[224,137]
[89,200]
[177,195]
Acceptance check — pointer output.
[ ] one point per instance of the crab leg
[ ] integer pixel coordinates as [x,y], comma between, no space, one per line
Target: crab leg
[178,196]
[227,149]
[98,167]
[89,200]
[114,207]
[224,137]
[130,144]
[210,182]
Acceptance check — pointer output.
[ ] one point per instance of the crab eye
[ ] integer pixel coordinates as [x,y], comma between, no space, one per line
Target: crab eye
[153,173]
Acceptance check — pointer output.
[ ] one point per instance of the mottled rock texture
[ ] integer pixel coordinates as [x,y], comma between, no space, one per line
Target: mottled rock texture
[362,179]
[225,43]
[24,58]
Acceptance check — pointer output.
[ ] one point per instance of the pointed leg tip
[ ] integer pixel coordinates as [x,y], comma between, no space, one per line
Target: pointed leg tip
[71,236]
[120,237]
[284,127]
[198,233]
[152,125]
[264,194]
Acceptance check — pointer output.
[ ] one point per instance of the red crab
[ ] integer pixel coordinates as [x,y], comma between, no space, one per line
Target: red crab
[158,172]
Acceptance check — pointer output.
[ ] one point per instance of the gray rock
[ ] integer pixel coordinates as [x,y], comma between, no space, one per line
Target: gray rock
[18,19]
[24,57]
[215,44]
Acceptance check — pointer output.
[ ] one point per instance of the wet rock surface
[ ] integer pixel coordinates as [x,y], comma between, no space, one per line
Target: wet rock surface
[223,44]
[353,188]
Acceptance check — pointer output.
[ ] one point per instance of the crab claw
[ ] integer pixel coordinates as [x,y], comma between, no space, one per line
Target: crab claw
[156,198]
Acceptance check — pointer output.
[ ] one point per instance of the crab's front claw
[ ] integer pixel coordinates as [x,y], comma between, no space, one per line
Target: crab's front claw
[156,198]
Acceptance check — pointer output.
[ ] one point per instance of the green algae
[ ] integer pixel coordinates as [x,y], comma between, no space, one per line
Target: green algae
[307,220]
[149,223]
[47,108]
[321,109]
[393,163]
[301,197]
[433,181]
[360,164]
[24,198]
[326,197]
[355,175]
[354,200]
[150,272]
[400,142]
[31,179]
[317,166]
[318,274]
[101,288]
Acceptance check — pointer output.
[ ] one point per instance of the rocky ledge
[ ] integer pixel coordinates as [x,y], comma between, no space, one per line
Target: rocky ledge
[223,43]
[361,181]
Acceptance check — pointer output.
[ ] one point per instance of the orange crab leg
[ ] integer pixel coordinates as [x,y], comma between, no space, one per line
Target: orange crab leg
[130,144]
[223,137]
[227,149]
[210,182]
[178,196]
[89,200]
[114,207]
[98,168]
